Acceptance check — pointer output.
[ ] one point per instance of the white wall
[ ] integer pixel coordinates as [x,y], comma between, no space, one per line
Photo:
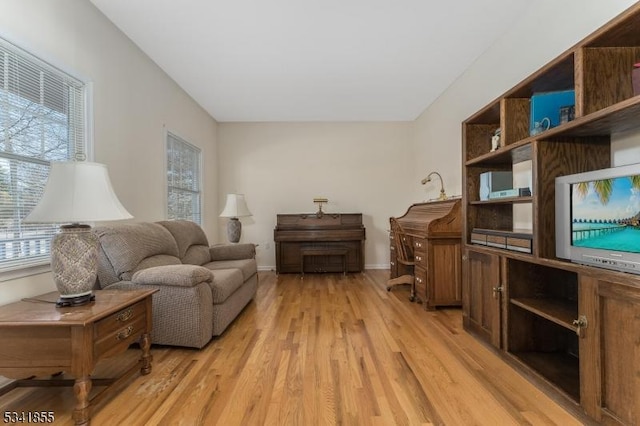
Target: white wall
[547,29]
[281,167]
[133,103]
[373,168]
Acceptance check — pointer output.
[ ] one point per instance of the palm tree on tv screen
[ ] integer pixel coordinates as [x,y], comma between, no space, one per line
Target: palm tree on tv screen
[603,188]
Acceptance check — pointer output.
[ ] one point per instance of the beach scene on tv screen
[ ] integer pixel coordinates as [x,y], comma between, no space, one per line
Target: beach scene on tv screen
[605,214]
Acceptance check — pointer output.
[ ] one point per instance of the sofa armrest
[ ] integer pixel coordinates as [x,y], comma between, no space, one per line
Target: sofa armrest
[173,275]
[182,316]
[232,251]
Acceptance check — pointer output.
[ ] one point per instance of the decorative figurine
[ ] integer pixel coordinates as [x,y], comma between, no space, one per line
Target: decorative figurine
[495,139]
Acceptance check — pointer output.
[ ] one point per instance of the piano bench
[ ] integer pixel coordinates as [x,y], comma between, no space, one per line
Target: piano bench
[323,251]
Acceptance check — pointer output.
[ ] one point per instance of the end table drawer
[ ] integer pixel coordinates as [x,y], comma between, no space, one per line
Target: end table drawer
[117,331]
[120,319]
[120,339]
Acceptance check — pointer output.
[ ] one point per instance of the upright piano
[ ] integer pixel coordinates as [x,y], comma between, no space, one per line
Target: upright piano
[434,231]
[333,242]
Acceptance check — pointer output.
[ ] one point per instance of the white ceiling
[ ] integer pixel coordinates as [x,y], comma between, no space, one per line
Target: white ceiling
[313,60]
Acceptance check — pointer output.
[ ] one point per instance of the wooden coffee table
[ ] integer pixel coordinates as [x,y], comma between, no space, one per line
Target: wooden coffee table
[38,339]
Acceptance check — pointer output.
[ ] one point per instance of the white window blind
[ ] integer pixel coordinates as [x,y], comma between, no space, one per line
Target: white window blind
[42,119]
[183,180]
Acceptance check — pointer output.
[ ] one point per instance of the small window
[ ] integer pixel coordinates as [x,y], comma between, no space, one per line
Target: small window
[42,119]
[183,180]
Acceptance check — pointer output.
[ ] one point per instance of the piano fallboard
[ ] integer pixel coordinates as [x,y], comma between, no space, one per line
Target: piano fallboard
[294,232]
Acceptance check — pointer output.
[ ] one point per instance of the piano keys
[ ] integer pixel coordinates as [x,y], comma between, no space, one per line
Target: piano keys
[340,235]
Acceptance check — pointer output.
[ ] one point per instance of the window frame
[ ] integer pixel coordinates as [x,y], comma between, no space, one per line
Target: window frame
[199,175]
[32,54]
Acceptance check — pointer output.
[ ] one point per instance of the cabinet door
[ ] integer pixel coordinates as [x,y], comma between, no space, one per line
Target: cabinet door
[610,351]
[481,295]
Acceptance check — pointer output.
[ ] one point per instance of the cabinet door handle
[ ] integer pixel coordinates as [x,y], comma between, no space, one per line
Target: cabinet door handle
[496,291]
[580,324]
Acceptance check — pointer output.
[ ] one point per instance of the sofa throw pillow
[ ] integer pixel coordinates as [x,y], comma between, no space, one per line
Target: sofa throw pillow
[174,275]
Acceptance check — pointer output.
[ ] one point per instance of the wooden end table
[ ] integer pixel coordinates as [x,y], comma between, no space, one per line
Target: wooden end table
[38,339]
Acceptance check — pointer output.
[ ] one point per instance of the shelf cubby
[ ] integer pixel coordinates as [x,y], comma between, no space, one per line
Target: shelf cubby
[557,75]
[560,312]
[505,200]
[542,305]
[548,349]
[604,77]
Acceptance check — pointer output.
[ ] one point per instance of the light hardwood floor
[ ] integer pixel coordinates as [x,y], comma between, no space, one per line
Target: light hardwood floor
[325,350]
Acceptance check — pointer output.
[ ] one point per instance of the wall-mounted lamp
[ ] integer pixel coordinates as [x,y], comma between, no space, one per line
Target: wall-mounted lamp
[443,195]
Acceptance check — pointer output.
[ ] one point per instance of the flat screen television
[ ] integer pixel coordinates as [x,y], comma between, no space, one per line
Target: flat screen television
[598,218]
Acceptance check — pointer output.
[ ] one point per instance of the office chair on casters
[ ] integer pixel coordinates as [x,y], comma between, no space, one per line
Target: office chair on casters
[404,257]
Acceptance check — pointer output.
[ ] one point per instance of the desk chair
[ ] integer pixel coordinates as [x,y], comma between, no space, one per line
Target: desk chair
[404,257]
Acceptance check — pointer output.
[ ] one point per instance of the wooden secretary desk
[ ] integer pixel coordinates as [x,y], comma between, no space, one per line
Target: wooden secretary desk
[434,230]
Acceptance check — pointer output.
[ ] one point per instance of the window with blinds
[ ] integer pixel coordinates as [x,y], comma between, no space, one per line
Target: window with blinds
[183,180]
[42,118]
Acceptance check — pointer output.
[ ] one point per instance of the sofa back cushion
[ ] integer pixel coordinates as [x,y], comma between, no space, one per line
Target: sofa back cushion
[130,247]
[193,246]
[106,274]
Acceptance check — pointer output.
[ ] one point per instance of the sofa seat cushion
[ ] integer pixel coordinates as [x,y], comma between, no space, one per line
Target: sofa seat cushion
[247,266]
[174,275]
[225,283]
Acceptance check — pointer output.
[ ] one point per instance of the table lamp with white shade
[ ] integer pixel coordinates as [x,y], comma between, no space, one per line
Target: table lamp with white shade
[76,192]
[235,207]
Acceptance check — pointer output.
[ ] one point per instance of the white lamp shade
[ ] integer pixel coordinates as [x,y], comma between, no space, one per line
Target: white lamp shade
[78,191]
[236,206]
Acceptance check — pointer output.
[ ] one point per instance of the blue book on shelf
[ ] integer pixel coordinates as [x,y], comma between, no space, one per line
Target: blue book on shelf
[547,105]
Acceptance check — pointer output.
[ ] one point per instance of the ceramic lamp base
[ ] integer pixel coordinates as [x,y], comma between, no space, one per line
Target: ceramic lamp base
[74,261]
[234,230]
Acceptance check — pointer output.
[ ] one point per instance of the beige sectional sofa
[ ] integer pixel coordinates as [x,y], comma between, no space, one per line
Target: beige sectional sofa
[202,288]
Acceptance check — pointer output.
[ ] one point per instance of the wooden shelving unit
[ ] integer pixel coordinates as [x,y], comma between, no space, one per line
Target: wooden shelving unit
[555,319]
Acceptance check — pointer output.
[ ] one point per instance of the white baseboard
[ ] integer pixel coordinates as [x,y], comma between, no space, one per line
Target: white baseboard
[377,266]
[370,266]
[267,268]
